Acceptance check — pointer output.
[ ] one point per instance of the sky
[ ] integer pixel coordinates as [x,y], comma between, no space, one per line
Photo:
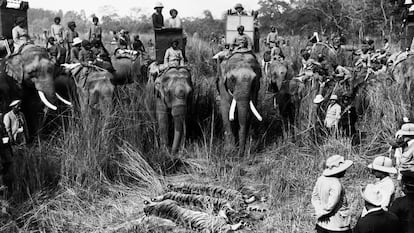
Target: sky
[186,8]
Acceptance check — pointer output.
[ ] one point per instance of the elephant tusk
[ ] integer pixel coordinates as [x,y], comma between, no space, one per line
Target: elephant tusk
[232,109]
[255,112]
[45,101]
[63,100]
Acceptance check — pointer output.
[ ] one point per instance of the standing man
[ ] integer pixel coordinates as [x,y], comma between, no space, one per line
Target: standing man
[174,21]
[329,199]
[6,159]
[333,114]
[95,32]
[69,36]
[15,124]
[403,207]
[382,168]
[157,18]
[349,117]
[376,220]
[56,30]
[272,37]
[239,10]
[20,33]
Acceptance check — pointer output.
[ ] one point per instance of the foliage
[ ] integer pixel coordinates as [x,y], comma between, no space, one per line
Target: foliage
[353,17]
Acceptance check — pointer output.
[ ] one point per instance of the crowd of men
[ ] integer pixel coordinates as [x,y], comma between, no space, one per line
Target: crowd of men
[382,212]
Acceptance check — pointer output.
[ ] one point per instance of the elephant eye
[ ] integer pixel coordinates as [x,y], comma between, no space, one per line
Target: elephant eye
[33,73]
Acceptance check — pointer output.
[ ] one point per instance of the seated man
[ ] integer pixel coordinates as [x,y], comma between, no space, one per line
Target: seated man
[242,41]
[86,55]
[308,65]
[74,51]
[341,73]
[52,48]
[223,53]
[174,56]
[276,52]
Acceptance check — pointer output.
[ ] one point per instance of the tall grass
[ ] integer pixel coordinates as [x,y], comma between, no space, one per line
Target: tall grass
[95,173]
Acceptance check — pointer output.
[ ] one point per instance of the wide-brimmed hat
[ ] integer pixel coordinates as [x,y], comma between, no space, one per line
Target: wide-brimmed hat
[238,5]
[158,5]
[407,129]
[76,41]
[336,164]
[318,99]
[334,97]
[407,2]
[14,103]
[383,164]
[372,194]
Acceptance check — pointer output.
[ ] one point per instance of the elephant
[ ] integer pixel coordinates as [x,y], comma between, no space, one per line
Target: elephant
[401,69]
[28,76]
[91,87]
[173,91]
[239,85]
[287,92]
[127,70]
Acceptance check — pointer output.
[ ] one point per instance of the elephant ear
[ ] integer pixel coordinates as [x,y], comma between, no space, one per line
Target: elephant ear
[161,89]
[14,68]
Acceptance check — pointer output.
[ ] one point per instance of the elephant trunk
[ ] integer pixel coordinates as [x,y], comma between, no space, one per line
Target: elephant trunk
[243,113]
[178,113]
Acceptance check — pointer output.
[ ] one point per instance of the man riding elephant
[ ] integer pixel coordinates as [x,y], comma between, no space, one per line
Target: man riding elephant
[239,86]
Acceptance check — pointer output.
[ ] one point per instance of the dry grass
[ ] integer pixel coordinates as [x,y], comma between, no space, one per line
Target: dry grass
[103,168]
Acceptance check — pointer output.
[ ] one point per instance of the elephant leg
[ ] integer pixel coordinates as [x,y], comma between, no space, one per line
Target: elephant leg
[179,122]
[227,126]
[163,122]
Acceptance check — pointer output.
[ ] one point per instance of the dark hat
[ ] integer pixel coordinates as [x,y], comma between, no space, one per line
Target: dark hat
[51,39]
[20,20]
[240,27]
[172,10]
[71,24]
[95,18]
[86,43]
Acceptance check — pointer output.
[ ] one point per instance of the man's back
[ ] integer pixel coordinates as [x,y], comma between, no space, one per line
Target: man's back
[379,221]
[403,207]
